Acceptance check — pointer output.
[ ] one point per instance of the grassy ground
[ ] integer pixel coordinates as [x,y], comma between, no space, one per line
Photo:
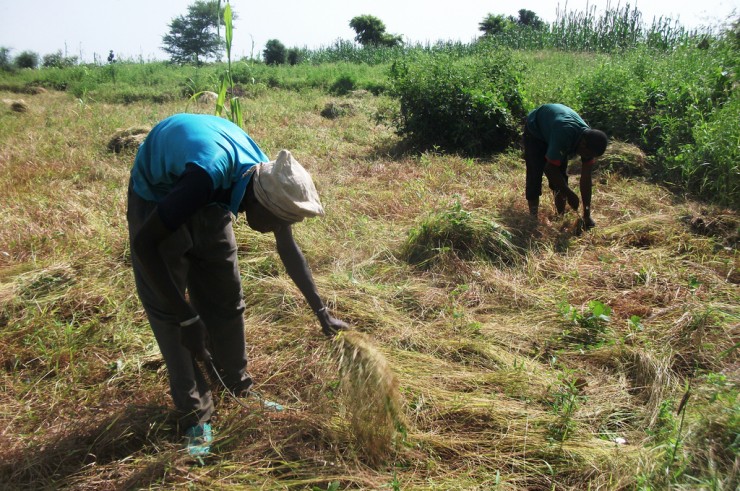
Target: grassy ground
[500,389]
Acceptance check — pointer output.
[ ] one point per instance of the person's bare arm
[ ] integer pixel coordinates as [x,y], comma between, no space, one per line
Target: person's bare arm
[586,185]
[298,270]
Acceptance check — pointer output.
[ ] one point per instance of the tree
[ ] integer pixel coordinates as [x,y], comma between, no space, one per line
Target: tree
[529,19]
[371,32]
[5,63]
[274,52]
[194,37]
[27,59]
[493,25]
[295,56]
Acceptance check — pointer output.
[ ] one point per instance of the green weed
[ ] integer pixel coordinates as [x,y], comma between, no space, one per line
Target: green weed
[587,327]
[565,398]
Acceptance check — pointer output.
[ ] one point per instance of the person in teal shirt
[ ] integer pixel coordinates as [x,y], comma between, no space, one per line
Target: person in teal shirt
[553,133]
[191,176]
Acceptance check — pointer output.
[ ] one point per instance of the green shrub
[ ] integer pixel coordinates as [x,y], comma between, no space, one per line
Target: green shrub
[681,107]
[611,99]
[343,85]
[464,234]
[57,60]
[295,56]
[710,166]
[469,104]
[586,327]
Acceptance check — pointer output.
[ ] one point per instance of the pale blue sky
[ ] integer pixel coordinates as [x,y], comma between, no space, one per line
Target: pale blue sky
[134,28]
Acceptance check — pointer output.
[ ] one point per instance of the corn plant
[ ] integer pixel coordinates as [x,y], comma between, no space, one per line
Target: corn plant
[227,81]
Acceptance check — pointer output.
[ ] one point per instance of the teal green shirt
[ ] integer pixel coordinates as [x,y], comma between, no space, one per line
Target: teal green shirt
[214,144]
[560,127]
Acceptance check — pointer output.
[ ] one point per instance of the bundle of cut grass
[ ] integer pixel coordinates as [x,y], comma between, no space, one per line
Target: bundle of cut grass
[128,139]
[19,106]
[370,391]
[467,235]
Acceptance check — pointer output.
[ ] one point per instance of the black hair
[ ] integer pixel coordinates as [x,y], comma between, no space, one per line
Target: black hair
[596,141]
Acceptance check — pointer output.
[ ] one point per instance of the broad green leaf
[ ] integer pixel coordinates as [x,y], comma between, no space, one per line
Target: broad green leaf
[229,28]
[236,113]
[221,96]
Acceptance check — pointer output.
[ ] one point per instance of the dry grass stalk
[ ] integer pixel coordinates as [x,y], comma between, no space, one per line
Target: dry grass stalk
[370,391]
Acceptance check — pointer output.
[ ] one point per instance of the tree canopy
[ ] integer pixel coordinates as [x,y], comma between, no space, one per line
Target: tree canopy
[371,32]
[495,24]
[274,53]
[194,37]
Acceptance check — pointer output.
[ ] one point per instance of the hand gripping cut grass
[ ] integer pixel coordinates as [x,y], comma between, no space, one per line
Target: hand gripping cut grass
[370,390]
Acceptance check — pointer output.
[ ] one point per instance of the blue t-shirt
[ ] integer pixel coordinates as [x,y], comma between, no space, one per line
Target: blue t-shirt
[560,127]
[216,145]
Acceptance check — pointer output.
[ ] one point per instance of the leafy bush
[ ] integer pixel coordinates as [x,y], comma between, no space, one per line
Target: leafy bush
[57,60]
[681,107]
[610,99]
[343,85]
[295,56]
[465,234]
[710,166]
[469,104]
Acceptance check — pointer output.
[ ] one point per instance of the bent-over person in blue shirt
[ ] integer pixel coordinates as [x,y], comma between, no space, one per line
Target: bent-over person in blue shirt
[554,133]
[191,174]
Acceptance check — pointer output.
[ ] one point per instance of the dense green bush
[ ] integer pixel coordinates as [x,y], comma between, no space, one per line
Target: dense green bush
[710,163]
[470,104]
[343,85]
[678,107]
[57,60]
[611,99]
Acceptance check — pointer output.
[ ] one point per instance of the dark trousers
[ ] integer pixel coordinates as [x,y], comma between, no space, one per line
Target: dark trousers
[202,260]
[534,158]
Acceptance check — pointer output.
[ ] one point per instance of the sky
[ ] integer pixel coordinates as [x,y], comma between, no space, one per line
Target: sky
[133,29]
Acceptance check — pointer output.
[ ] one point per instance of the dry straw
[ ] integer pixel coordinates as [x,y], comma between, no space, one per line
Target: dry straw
[370,392]
[128,139]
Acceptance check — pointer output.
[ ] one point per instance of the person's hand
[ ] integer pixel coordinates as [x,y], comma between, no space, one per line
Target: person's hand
[573,199]
[330,325]
[195,338]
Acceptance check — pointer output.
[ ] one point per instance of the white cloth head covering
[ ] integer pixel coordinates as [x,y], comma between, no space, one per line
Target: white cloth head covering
[286,189]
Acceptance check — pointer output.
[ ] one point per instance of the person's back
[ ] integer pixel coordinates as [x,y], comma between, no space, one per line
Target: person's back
[214,144]
[558,125]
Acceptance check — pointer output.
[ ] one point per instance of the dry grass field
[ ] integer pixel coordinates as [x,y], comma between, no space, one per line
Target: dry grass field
[526,356]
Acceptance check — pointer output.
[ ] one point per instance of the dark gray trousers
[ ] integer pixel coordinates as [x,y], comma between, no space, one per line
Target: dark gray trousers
[534,158]
[202,259]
